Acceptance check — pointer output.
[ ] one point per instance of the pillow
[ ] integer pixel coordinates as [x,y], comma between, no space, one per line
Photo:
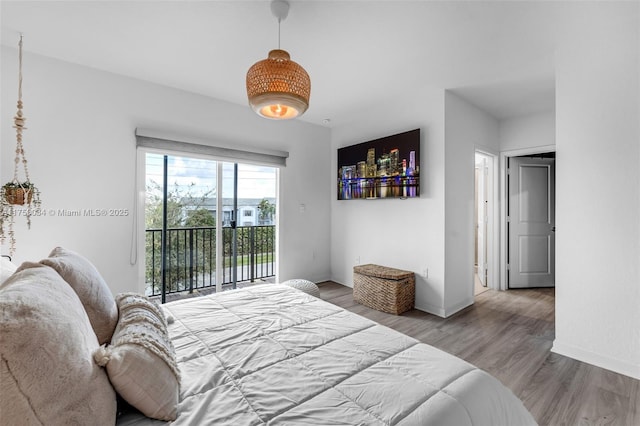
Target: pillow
[141,361]
[7,268]
[91,288]
[47,373]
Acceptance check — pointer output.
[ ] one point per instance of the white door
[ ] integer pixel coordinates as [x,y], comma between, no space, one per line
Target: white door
[481,225]
[531,222]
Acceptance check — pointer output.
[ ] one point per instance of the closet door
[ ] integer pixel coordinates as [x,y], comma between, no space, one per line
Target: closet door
[531,222]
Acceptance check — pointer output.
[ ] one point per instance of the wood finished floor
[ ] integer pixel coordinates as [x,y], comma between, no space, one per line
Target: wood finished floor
[509,334]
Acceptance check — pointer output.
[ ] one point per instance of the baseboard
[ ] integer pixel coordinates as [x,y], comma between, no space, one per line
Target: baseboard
[335,281]
[458,307]
[430,309]
[608,363]
[443,313]
[320,280]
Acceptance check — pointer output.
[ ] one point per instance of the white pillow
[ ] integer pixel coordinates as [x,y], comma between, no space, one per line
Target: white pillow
[47,373]
[7,268]
[93,291]
[141,361]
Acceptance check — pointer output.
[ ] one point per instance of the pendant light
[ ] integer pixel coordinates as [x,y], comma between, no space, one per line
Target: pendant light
[277,87]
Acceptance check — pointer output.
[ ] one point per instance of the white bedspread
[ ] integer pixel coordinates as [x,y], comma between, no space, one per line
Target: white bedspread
[270,354]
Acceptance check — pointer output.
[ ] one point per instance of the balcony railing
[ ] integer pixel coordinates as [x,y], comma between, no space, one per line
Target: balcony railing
[191,257]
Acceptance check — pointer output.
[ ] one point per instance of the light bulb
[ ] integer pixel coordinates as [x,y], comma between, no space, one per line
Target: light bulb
[279,110]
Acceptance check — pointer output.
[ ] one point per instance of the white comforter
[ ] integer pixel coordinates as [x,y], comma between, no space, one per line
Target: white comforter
[273,355]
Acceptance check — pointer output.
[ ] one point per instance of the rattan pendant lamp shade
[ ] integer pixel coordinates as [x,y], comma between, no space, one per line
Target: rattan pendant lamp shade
[277,87]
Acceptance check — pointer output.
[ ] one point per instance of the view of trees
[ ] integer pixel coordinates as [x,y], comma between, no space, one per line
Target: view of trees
[177,215]
[191,239]
[179,240]
[267,210]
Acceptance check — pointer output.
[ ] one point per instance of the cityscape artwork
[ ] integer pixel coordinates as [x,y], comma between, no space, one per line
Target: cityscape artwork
[388,167]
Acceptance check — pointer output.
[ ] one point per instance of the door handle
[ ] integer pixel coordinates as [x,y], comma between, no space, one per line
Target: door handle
[553,229]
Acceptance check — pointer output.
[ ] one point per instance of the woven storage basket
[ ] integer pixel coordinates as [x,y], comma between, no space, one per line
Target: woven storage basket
[384,289]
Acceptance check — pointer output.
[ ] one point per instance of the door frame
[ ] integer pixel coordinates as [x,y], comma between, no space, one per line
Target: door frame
[493,219]
[504,196]
[138,239]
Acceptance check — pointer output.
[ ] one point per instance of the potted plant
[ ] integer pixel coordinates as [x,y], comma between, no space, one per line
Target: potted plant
[20,193]
[14,195]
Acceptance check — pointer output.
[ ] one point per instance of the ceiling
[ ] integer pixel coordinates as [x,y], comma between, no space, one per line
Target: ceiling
[497,55]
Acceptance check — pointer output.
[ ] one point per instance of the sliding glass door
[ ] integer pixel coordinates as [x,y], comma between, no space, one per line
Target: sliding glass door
[209,225]
[249,235]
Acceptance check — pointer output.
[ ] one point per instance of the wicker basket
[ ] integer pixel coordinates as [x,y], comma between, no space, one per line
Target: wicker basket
[384,289]
[16,196]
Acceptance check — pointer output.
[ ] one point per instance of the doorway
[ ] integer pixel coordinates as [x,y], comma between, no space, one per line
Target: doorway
[209,224]
[530,220]
[485,255]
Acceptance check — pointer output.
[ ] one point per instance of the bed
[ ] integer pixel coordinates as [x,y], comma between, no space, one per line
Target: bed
[270,354]
[263,355]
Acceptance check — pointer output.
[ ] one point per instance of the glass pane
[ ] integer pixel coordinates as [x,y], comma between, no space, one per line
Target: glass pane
[190,245]
[256,209]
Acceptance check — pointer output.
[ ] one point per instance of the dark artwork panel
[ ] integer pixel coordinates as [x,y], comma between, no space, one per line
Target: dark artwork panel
[387,167]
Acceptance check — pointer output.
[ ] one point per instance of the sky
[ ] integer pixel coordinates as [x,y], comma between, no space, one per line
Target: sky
[253,181]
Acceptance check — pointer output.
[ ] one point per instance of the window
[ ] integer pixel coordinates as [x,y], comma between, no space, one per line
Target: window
[186,244]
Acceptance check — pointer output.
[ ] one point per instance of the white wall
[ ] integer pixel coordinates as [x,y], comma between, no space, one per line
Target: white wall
[530,131]
[598,188]
[467,128]
[81,149]
[405,234]
[434,232]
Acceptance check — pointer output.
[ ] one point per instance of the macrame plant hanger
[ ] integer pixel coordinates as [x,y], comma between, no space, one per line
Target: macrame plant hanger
[19,120]
[18,193]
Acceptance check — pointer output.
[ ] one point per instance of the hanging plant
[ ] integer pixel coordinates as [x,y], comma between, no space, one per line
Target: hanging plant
[18,193]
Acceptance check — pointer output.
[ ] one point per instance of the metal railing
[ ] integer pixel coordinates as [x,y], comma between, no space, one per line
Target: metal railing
[191,257]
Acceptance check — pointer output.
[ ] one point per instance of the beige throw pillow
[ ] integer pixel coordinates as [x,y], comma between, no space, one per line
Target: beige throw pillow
[93,291]
[47,373]
[141,360]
